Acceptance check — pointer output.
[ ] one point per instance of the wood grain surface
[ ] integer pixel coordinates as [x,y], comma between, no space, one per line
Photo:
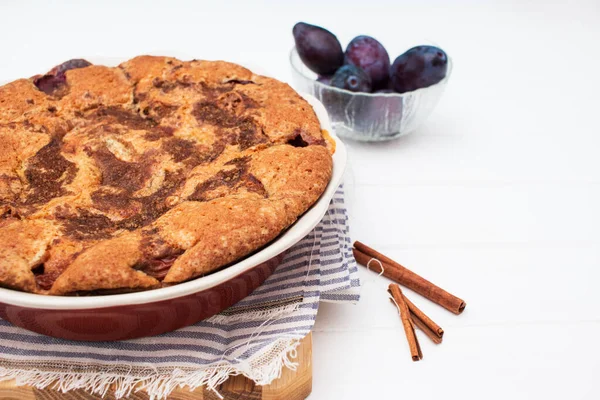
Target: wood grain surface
[293,385]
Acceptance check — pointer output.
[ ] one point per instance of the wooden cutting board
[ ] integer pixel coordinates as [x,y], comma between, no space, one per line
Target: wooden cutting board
[293,385]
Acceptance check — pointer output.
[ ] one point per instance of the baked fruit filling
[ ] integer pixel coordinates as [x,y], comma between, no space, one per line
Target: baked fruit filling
[148,174]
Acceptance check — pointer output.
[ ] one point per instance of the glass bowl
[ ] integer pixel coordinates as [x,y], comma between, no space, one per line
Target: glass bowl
[369,116]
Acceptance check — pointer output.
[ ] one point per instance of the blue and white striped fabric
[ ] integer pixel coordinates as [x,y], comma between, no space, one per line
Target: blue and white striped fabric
[256,337]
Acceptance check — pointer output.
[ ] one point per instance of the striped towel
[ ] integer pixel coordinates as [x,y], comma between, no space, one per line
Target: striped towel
[256,337]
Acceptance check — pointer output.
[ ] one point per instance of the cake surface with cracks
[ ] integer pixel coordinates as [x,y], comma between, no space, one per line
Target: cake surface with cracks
[148,174]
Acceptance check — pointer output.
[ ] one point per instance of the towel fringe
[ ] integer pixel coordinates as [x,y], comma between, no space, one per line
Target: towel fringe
[262,369]
[255,315]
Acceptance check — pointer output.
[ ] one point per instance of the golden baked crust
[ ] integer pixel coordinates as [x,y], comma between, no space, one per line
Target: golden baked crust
[150,173]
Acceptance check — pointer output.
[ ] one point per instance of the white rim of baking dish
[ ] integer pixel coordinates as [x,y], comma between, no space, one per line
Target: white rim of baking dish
[302,227]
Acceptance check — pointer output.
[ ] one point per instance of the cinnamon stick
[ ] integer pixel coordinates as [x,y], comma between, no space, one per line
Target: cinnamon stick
[425,329]
[405,277]
[409,330]
[423,322]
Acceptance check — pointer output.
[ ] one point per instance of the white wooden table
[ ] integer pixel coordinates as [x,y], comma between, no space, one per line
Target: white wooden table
[496,198]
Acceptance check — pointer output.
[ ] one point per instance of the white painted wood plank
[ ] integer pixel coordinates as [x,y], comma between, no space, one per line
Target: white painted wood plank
[545,361]
[445,216]
[502,288]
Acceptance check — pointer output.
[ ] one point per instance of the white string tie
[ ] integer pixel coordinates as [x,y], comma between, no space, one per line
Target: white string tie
[380,265]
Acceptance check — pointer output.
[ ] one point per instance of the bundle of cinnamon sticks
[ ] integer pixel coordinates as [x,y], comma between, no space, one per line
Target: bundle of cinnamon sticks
[410,314]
